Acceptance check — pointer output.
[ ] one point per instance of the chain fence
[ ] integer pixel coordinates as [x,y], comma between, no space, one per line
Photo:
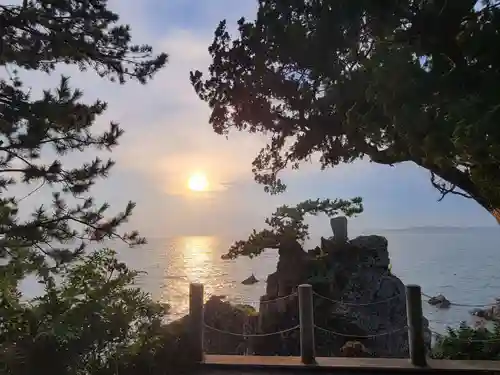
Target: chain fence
[399,330]
[350,304]
[252,334]
[356,304]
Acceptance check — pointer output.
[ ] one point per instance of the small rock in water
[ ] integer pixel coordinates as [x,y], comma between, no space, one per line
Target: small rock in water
[439,301]
[251,280]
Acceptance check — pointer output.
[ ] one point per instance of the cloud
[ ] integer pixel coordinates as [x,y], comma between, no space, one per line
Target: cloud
[177,139]
[168,137]
[167,134]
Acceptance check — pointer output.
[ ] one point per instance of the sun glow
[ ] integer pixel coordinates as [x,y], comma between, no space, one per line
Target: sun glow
[198,182]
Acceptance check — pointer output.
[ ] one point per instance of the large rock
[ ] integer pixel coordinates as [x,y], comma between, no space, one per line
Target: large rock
[223,316]
[370,320]
[277,313]
[356,273]
[291,270]
[375,249]
[439,301]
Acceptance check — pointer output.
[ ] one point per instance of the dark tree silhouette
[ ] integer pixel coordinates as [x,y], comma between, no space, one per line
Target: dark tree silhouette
[287,225]
[39,35]
[393,80]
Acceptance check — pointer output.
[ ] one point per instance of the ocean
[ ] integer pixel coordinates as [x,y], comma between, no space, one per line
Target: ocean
[462,264]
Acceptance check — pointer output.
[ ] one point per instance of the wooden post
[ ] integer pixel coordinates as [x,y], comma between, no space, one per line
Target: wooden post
[306,314]
[415,325]
[196,325]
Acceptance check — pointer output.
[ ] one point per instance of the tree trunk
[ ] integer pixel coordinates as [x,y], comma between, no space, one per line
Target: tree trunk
[496,213]
[463,182]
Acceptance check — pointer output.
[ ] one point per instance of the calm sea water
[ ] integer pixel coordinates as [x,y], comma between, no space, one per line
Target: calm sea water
[463,265]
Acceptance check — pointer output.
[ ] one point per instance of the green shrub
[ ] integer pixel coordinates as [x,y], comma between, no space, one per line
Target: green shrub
[467,342]
[94,321]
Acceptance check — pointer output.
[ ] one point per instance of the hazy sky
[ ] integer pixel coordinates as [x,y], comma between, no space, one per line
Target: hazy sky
[168,137]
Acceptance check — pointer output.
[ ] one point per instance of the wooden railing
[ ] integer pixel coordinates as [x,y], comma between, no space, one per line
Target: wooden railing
[417,349]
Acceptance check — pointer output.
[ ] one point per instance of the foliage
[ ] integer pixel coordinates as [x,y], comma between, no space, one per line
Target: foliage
[39,35]
[393,81]
[246,309]
[287,224]
[466,342]
[93,322]
[90,318]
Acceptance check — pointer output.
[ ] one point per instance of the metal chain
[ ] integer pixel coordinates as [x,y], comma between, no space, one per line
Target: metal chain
[250,334]
[243,302]
[357,304]
[361,336]
[465,304]
[273,300]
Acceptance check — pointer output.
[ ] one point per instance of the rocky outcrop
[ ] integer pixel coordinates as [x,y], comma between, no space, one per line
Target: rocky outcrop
[355,272]
[276,314]
[374,299]
[250,280]
[439,301]
[491,313]
[223,316]
[364,304]
[374,248]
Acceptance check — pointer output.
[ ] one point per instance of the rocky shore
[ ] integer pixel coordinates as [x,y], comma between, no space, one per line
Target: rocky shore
[355,272]
[489,313]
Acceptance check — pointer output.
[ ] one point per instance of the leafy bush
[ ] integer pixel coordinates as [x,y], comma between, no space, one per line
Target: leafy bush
[467,342]
[94,321]
[91,320]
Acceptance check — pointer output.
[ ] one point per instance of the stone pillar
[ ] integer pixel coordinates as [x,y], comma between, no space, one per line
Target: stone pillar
[339,228]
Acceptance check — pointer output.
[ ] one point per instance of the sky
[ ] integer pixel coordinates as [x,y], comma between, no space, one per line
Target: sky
[168,138]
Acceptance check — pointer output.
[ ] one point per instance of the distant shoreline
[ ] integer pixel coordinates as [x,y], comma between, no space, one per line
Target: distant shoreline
[435,229]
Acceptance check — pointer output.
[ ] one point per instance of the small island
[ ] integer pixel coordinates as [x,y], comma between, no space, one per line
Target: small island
[353,271]
[250,280]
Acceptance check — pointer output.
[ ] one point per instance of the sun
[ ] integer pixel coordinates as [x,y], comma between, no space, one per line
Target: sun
[198,182]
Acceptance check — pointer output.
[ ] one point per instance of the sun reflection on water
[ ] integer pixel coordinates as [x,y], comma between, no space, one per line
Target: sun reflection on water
[193,259]
[198,253]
